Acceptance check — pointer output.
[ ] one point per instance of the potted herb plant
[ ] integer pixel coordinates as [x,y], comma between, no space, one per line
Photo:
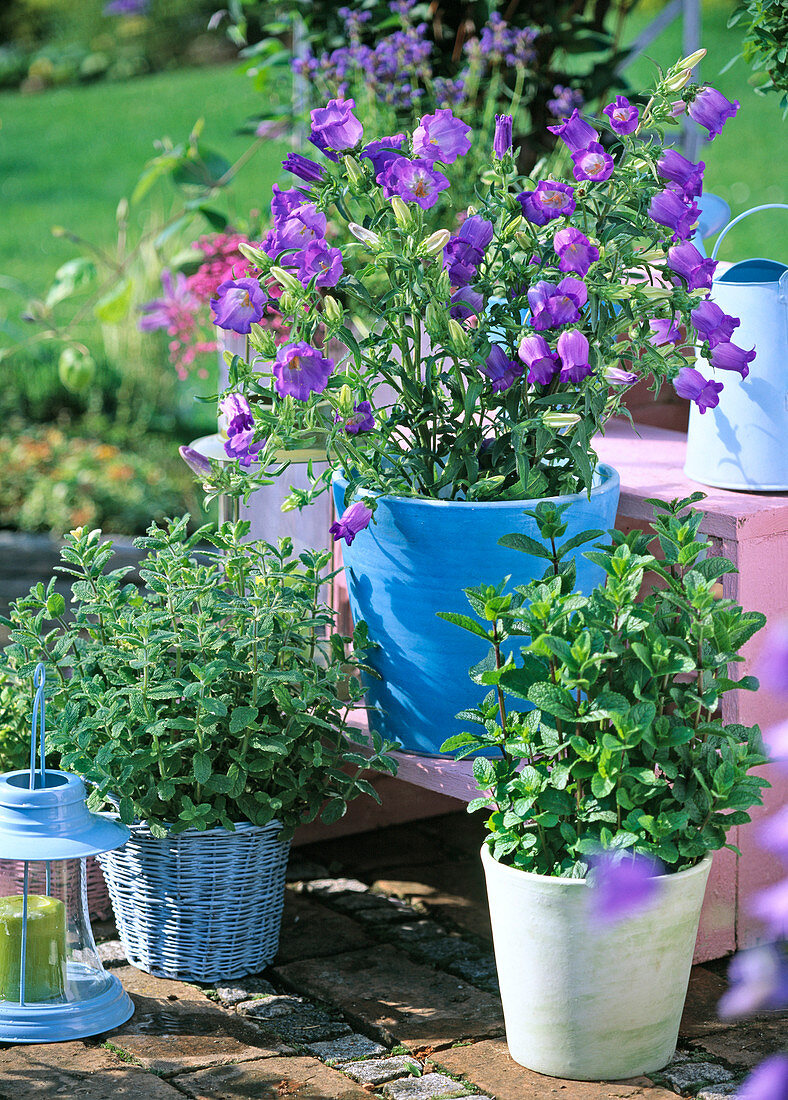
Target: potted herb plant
[481,358]
[210,709]
[608,796]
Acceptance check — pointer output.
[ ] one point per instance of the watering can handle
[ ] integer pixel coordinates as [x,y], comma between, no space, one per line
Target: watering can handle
[39,711]
[741,217]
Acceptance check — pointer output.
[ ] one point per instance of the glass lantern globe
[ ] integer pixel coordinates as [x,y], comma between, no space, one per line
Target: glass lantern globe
[53,986]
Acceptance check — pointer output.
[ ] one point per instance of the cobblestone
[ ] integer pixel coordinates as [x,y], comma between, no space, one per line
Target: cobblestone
[111,953]
[245,989]
[686,1077]
[294,1019]
[376,1071]
[330,887]
[717,1092]
[428,1087]
[345,1049]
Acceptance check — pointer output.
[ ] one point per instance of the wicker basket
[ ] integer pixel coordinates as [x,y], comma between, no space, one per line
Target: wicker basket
[99,906]
[199,906]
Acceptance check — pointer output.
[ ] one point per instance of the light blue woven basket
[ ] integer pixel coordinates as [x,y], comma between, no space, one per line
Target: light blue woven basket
[199,906]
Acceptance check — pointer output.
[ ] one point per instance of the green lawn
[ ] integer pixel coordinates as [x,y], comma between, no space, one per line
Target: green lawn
[748,163]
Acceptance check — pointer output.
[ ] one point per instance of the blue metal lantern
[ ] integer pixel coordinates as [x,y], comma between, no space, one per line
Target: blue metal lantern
[53,986]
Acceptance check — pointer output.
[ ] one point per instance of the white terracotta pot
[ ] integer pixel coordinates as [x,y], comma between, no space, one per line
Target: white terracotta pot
[582,1001]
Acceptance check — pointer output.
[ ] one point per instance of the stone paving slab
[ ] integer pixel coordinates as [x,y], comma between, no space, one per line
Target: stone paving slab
[748,1042]
[700,1011]
[688,1077]
[272,1079]
[176,1028]
[294,1019]
[489,1066]
[75,1070]
[376,1071]
[405,1003]
[428,1087]
[310,930]
[345,1049]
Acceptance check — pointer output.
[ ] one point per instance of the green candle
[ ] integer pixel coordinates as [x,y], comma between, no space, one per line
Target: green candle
[45,957]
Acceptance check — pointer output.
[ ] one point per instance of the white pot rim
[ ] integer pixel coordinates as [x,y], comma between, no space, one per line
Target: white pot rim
[608,483]
[515,873]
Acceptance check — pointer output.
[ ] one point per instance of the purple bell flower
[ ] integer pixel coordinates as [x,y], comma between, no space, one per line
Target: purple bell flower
[362,419]
[240,429]
[502,140]
[318,259]
[665,331]
[668,208]
[300,370]
[593,164]
[304,224]
[574,250]
[304,168]
[696,270]
[477,231]
[284,204]
[383,151]
[556,305]
[711,109]
[239,303]
[465,303]
[197,463]
[572,348]
[414,181]
[575,133]
[623,115]
[730,357]
[768,1081]
[622,885]
[675,168]
[355,518]
[691,384]
[335,126]
[549,200]
[617,376]
[712,324]
[500,369]
[542,363]
[441,137]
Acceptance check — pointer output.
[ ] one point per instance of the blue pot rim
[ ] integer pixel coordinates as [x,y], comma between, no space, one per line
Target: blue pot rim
[609,481]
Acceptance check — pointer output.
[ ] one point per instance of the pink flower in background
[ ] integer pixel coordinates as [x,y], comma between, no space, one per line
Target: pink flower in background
[222,261]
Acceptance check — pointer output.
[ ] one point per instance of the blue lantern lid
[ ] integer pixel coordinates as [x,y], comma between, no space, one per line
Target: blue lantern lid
[43,813]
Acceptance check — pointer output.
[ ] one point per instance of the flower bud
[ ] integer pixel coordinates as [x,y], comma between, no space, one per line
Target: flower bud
[263,341]
[403,216]
[435,319]
[656,293]
[257,257]
[523,239]
[287,302]
[435,243]
[333,310]
[353,169]
[75,369]
[557,420]
[287,280]
[345,400]
[366,236]
[509,230]
[693,59]
[443,286]
[459,337]
[678,81]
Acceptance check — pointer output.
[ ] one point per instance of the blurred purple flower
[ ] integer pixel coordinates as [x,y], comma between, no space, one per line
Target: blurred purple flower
[355,518]
[712,324]
[549,200]
[300,370]
[335,126]
[773,833]
[696,270]
[500,369]
[691,384]
[414,181]
[593,163]
[441,137]
[771,906]
[773,662]
[178,304]
[675,168]
[758,982]
[575,251]
[622,885]
[239,303]
[711,109]
[127,7]
[768,1081]
[362,419]
[669,209]
[556,305]
[575,133]
[566,100]
[730,357]
[623,115]
[502,140]
[572,348]
[542,363]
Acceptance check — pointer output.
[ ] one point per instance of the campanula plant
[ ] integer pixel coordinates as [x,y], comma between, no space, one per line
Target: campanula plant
[475,362]
[624,750]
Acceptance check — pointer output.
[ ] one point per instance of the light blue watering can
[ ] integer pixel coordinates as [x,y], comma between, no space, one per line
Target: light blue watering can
[743,442]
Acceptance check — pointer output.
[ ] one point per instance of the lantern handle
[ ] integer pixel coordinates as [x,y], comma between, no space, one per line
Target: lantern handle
[39,715]
[741,217]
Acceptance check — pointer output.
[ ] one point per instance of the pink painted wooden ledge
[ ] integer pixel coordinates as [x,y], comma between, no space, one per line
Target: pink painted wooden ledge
[752,530]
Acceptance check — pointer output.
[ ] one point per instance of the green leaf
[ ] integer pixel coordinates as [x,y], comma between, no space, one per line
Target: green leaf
[201,767]
[242,717]
[114,305]
[553,699]
[56,606]
[466,622]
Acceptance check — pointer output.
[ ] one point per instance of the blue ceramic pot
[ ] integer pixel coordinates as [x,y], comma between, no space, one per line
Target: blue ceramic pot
[413,562]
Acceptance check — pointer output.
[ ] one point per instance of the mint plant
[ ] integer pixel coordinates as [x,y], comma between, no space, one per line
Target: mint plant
[625,747]
[216,694]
